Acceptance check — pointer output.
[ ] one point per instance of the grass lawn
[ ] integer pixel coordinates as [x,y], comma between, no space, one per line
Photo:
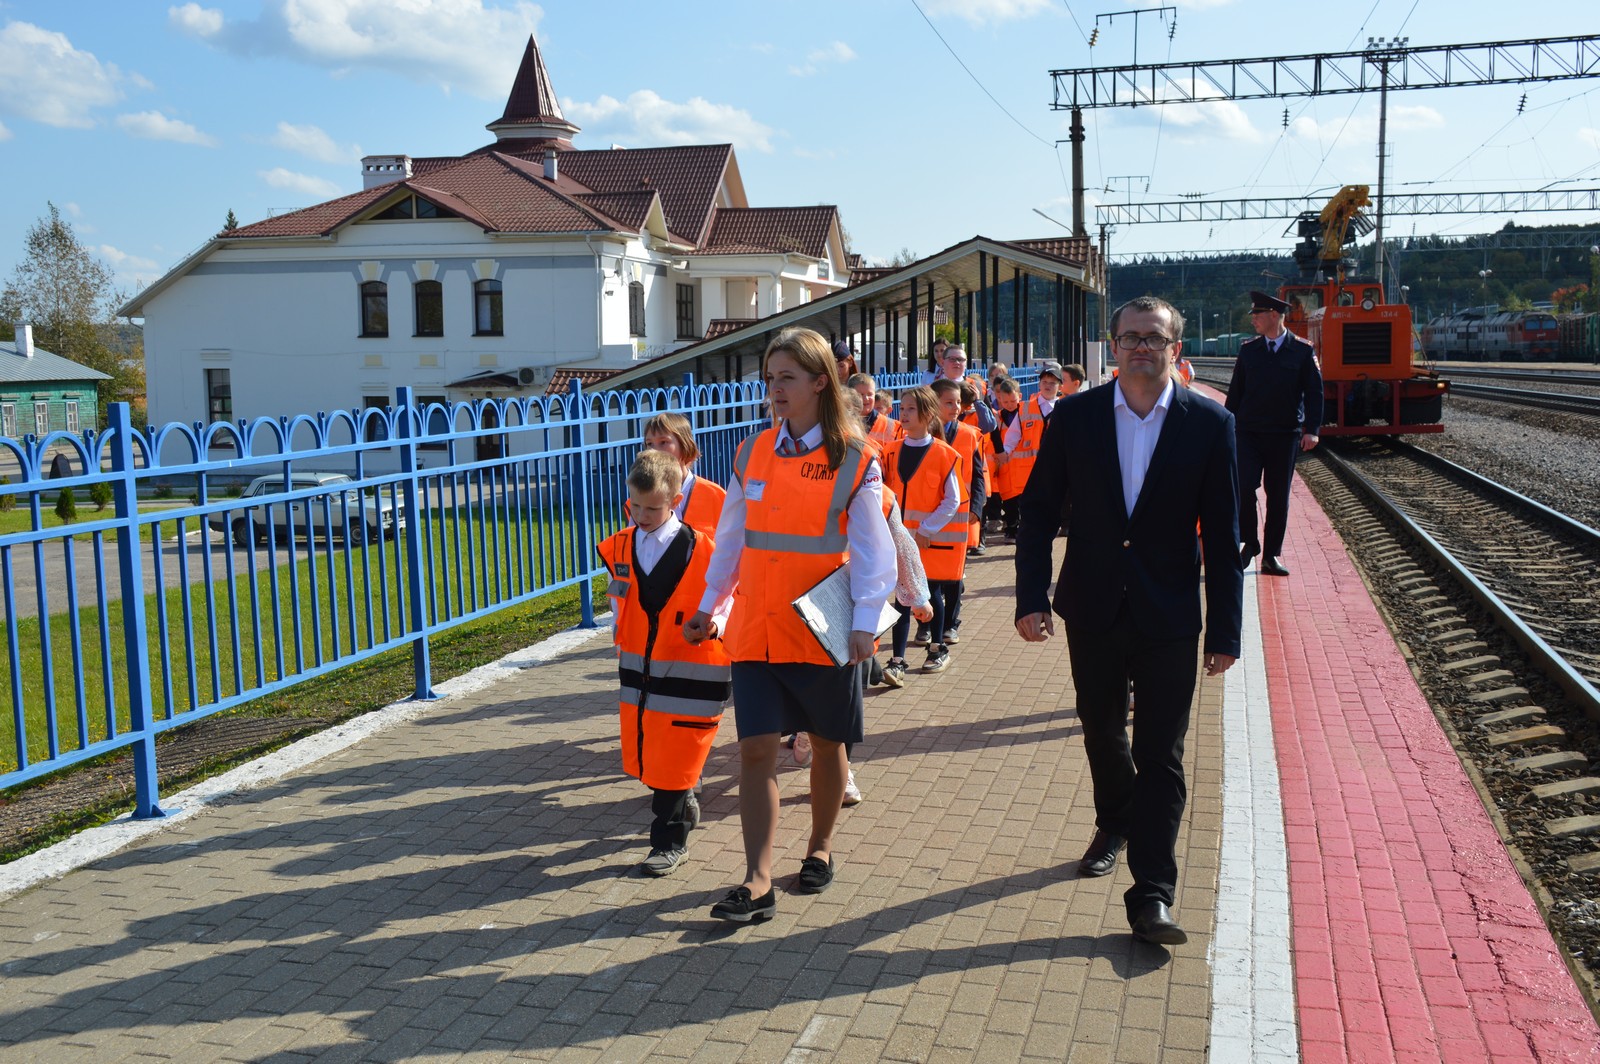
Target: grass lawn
[229,635]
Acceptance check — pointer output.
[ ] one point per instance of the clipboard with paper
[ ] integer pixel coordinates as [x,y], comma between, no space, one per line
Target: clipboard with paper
[828,612]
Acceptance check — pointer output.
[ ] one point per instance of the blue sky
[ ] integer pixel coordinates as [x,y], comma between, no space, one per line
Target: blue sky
[145,122]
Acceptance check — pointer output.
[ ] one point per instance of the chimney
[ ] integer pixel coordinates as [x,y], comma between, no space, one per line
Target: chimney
[549,164]
[24,339]
[384,170]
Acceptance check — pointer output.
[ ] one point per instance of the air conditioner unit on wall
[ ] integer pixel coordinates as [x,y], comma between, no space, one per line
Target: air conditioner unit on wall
[527,376]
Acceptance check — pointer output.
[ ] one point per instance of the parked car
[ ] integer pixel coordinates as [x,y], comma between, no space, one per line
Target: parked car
[370,518]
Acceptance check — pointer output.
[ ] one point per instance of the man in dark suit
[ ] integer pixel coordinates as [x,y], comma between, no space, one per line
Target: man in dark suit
[1276,400]
[1129,468]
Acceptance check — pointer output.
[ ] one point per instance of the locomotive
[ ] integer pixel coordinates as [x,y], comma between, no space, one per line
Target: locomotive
[1370,381]
[1489,333]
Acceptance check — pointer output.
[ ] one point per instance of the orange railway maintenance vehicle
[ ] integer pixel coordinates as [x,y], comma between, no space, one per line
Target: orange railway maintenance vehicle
[1372,385]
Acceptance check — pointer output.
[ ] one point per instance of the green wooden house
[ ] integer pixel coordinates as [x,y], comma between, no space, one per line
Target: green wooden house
[42,392]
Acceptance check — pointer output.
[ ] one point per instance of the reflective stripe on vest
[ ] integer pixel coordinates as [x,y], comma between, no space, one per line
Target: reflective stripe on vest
[833,539]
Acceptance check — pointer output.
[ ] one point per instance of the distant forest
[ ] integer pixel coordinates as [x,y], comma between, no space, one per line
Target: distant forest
[1442,273]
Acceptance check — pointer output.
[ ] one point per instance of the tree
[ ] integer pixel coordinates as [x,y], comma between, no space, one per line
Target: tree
[66,506]
[67,294]
[230,223]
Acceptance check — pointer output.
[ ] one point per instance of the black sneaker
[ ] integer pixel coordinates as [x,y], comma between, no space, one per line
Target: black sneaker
[952,635]
[978,548]
[938,658]
[741,908]
[922,637]
[894,673]
[662,861]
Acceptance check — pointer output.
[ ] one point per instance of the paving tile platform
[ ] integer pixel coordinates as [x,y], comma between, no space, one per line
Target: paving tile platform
[461,884]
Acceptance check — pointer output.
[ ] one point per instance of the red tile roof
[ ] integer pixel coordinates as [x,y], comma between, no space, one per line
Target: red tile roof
[1072,248]
[629,208]
[722,326]
[747,230]
[319,220]
[687,177]
[560,378]
[533,99]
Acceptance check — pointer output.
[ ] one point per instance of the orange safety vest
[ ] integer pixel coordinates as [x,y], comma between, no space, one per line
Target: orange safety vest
[703,508]
[796,532]
[885,429]
[986,445]
[1014,477]
[672,690]
[969,441]
[946,557]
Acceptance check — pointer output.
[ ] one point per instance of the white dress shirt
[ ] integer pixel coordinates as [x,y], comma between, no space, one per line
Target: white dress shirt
[949,505]
[1136,439]
[687,490]
[1046,405]
[872,558]
[1013,432]
[648,548]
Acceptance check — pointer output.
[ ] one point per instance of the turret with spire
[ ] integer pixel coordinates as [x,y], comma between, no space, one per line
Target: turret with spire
[532,111]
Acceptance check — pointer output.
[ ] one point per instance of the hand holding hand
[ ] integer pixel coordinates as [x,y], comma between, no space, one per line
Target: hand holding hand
[923,541]
[699,628]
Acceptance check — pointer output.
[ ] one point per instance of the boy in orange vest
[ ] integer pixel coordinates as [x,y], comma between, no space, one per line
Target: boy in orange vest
[672,690]
[968,442]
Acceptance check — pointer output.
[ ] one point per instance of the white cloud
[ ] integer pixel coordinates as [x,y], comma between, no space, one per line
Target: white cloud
[1210,120]
[646,118]
[153,125]
[1589,136]
[124,262]
[979,12]
[314,187]
[313,143]
[50,81]
[440,42]
[837,52]
[195,20]
[1362,129]
[5,134]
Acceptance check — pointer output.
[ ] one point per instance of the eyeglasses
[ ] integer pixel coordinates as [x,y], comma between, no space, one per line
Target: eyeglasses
[1131,342]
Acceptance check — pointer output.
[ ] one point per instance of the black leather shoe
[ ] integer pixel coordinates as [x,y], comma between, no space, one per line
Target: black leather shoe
[741,908]
[1246,553]
[1101,856]
[1273,567]
[816,875]
[1153,922]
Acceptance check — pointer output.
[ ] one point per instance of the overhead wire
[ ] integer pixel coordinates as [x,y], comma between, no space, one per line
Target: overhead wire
[993,99]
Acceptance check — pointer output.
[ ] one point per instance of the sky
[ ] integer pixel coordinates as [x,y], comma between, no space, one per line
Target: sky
[925,121]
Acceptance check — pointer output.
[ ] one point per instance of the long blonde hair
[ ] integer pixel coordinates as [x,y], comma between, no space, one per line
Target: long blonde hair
[814,356]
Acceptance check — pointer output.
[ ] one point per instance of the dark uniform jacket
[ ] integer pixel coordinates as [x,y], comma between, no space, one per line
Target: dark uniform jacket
[1278,392]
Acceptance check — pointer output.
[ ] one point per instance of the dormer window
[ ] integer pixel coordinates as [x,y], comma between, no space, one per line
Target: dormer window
[409,208]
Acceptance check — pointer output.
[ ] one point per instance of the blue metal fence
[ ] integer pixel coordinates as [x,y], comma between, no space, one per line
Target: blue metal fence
[159,612]
[377,529]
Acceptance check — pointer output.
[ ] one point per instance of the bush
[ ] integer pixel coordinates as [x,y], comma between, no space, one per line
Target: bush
[7,502]
[163,491]
[234,491]
[66,506]
[100,495]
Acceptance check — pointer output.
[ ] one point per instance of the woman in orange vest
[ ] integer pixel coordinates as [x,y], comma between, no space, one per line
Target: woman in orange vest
[923,473]
[672,691]
[701,505]
[804,498]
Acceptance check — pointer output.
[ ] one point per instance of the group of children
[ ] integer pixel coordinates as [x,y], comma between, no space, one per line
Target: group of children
[941,477]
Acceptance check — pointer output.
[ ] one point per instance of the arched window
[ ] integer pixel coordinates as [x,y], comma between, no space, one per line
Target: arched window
[636,308]
[374,308]
[488,314]
[429,296]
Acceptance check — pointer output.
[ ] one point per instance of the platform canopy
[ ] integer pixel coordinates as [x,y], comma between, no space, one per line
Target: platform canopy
[874,312]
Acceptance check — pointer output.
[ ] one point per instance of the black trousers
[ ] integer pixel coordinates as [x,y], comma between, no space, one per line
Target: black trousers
[1139,787]
[1266,457]
[669,828]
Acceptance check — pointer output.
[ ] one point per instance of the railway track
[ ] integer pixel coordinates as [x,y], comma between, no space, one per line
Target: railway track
[1586,405]
[1497,600]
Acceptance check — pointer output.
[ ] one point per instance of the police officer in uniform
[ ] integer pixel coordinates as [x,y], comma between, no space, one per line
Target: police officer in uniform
[1276,400]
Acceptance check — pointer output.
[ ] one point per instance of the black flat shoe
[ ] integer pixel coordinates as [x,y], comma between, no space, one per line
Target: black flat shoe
[1246,553]
[1101,856]
[816,875]
[1273,567]
[741,908]
[1153,922]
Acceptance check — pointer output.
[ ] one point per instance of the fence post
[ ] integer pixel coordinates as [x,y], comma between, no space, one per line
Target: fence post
[135,637]
[576,440]
[421,663]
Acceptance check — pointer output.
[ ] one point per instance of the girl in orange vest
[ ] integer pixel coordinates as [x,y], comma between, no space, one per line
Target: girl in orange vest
[804,498]
[701,505]
[879,427]
[923,473]
[672,691]
[966,440]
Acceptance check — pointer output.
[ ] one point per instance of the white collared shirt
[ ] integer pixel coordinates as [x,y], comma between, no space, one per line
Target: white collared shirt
[687,489]
[949,505]
[1047,405]
[872,557]
[1136,439]
[648,547]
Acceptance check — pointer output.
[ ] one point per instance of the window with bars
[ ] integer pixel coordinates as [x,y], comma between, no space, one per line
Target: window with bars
[686,330]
